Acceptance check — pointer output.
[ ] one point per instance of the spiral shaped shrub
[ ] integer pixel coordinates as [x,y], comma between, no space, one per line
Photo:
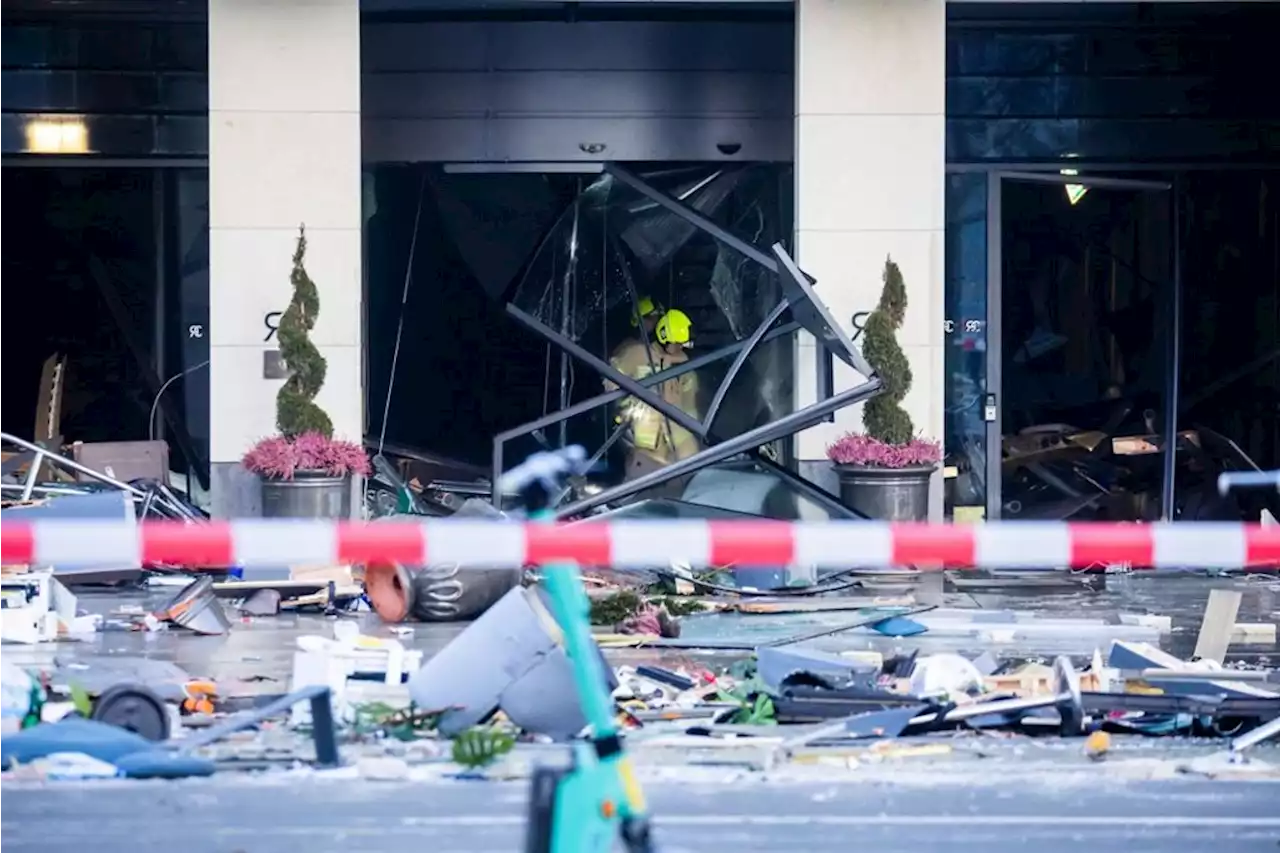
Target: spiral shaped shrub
[296,411]
[883,415]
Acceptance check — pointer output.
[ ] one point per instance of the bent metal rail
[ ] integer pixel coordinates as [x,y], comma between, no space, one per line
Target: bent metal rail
[644,544]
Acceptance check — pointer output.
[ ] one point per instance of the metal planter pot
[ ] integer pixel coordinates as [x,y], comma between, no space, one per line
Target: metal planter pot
[437,593]
[440,592]
[886,494]
[307,495]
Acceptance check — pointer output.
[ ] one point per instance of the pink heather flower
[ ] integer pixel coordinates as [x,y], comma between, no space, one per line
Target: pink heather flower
[281,458]
[859,449]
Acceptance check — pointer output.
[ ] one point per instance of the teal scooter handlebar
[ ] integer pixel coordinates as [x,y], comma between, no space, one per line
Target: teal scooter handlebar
[589,806]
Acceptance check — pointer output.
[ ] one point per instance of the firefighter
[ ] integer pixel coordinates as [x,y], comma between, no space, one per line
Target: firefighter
[646,315]
[652,440]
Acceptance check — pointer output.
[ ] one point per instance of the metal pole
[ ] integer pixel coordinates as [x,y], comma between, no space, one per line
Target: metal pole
[607,371]
[161,245]
[567,292]
[1175,362]
[784,426]
[70,463]
[617,394]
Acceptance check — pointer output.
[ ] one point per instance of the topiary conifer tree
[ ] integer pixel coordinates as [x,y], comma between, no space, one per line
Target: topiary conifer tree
[296,413]
[883,415]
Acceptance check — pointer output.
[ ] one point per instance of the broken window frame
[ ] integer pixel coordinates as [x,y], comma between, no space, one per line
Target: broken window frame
[798,292]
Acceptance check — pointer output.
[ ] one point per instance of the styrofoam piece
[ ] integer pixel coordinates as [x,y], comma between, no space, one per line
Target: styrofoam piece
[49,606]
[1087,635]
[1163,624]
[66,766]
[388,656]
[866,657]
[944,675]
[311,668]
[27,625]
[360,691]
[331,662]
[1254,633]
[167,581]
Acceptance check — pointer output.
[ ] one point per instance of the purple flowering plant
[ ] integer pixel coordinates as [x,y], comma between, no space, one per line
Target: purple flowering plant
[280,457]
[859,449]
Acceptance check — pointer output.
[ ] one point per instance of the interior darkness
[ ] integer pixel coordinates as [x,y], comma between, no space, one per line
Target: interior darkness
[1086,292]
[467,371]
[69,234]
[1084,286]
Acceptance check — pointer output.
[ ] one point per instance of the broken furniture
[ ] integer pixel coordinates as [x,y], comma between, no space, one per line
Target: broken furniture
[1066,699]
[1055,471]
[137,757]
[406,480]
[84,494]
[125,461]
[344,660]
[152,498]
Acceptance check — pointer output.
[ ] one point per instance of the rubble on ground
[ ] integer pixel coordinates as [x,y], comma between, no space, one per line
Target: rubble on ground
[849,671]
[759,684]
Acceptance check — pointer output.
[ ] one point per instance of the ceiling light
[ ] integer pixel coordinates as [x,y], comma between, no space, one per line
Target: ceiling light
[57,135]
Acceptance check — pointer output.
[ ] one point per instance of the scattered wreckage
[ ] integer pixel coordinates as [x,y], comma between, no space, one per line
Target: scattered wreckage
[702,664]
[504,681]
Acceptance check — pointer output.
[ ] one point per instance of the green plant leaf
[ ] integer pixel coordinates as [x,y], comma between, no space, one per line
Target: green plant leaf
[81,700]
[883,415]
[480,747]
[296,411]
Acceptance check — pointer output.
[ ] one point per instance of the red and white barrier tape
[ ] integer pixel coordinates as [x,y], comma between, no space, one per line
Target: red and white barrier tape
[643,544]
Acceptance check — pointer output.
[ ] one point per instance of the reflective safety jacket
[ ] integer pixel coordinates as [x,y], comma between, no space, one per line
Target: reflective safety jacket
[650,431]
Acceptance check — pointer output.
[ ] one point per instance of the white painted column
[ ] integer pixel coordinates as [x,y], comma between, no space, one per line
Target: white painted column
[284,150]
[870,158]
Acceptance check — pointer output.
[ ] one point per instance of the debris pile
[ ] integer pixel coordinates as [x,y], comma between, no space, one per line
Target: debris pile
[503,686]
[699,665]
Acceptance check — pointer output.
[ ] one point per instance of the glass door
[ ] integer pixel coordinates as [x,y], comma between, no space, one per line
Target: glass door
[1081,348]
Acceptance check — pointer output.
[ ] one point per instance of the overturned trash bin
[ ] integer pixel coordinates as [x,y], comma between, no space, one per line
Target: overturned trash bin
[439,592]
[512,658]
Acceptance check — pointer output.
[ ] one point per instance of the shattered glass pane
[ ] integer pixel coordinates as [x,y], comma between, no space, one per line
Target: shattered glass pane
[814,315]
[615,246]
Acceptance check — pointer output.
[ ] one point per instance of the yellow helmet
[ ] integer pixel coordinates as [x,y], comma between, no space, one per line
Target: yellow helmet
[674,328]
[645,307]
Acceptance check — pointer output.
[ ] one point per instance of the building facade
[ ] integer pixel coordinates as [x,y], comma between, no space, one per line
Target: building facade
[898,125]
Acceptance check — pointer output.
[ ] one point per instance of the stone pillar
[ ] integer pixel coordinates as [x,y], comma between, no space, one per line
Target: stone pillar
[870,158]
[284,150]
